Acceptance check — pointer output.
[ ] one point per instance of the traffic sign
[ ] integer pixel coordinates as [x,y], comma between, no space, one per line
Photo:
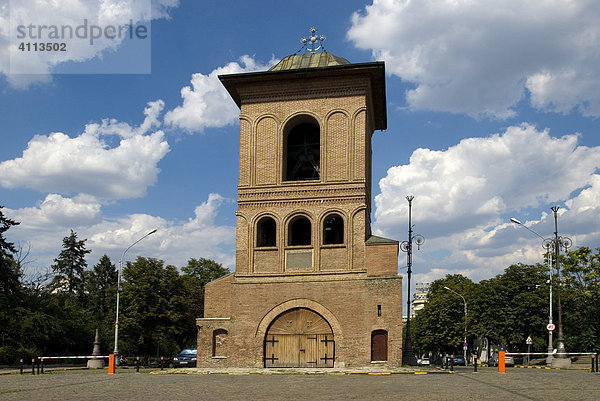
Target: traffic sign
[529,341]
[550,327]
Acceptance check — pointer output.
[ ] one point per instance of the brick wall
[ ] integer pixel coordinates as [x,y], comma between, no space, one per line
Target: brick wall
[348,302]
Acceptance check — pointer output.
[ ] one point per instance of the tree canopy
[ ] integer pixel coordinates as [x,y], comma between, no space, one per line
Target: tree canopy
[159,303]
[70,264]
[511,306]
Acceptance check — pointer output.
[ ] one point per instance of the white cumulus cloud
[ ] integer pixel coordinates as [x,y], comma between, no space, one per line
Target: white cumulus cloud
[43,227]
[206,103]
[480,57]
[57,211]
[87,164]
[464,194]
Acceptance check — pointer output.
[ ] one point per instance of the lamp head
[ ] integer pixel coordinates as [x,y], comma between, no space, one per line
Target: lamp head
[513,220]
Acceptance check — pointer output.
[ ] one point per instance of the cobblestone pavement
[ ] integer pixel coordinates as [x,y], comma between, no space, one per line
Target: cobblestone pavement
[487,384]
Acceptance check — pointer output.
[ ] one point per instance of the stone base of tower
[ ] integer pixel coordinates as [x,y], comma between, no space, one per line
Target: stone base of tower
[323,320]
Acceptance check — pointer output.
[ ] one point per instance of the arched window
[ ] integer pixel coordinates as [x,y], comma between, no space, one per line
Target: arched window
[302,152]
[299,231]
[333,230]
[219,340]
[266,232]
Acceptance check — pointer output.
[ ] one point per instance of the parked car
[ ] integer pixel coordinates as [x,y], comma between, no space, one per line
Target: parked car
[186,358]
[423,362]
[508,360]
[459,360]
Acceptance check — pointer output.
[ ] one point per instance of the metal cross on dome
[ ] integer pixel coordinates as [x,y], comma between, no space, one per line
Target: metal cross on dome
[311,44]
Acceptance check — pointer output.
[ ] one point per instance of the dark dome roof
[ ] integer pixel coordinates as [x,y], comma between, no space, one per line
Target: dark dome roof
[309,60]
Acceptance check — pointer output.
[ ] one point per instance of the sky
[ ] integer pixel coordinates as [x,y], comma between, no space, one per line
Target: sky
[492,113]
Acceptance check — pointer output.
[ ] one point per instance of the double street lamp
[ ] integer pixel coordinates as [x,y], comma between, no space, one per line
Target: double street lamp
[465,302]
[546,244]
[119,273]
[553,246]
[408,356]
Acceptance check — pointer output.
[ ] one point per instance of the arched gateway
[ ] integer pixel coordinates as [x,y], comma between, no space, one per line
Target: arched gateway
[299,338]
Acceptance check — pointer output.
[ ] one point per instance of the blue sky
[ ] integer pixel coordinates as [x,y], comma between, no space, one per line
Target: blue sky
[492,113]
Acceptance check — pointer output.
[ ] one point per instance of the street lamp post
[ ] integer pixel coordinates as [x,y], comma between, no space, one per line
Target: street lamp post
[554,245]
[465,302]
[408,356]
[565,243]
[116,350]
[546,244]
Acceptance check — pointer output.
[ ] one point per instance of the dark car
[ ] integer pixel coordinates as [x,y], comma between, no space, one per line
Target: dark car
[186,358]
[459,360]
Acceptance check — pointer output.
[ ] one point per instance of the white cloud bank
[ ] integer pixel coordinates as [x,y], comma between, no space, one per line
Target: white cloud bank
[206,102]
[87,164]
[113,160]
[480,57]
[44,226]
[464,196]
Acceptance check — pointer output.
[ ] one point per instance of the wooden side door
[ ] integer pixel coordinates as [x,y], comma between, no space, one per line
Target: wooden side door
[379,340]
[326,350]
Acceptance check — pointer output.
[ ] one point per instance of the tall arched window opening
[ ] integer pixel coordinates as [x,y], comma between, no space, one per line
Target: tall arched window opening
[219,341]
[299,231]
[302,152]
[266,232]
[333,230]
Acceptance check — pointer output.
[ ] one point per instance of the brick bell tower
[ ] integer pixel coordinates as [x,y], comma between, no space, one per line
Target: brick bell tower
[312,287]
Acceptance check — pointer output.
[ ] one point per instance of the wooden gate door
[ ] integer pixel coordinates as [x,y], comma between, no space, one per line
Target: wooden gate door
[308,351]
[299,338]
[379,340]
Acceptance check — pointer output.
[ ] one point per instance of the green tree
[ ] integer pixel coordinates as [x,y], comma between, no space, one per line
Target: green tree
[10,272]
[55,324]
[440,325]
[581,299]
[512,306]
[148,287]
[10,285]
[99,283]
[205,270]
[70,265]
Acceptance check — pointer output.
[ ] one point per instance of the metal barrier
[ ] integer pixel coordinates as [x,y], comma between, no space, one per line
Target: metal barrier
[593,356]
[45,358]
[552,353]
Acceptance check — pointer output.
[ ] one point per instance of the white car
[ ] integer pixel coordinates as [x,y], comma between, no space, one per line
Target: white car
[423,361]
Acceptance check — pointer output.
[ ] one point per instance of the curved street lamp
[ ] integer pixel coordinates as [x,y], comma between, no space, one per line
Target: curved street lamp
[116,350]
[465,301]
[408,356]
[546,244]
[553,245]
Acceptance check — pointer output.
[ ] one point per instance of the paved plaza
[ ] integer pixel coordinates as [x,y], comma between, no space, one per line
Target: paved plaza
[486,384]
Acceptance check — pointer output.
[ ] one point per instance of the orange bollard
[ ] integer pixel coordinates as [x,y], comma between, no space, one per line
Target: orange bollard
[501,361]
[111,364]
